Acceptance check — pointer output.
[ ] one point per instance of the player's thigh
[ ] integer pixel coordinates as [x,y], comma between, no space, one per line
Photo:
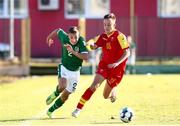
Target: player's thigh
[107,90]
[62,77]
[98,79]
[73,80]
[62,83]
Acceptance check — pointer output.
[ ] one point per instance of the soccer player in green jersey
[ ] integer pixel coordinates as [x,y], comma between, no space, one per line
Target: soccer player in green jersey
[73,53]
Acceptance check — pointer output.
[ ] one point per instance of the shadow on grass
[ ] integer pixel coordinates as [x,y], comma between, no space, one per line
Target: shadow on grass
[27,119]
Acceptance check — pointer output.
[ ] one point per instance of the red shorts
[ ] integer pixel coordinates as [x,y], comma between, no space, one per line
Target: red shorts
[113,75]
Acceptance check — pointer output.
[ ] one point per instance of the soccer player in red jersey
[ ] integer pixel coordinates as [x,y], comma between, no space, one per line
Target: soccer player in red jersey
[115,51]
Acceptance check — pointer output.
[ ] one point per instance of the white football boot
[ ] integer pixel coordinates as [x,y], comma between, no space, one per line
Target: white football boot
[76,112]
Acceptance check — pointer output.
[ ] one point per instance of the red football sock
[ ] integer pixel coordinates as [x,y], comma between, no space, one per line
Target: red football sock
[85,97]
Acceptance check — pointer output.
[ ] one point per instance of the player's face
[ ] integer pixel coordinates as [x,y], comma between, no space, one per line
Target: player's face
[109,25]
[73,38]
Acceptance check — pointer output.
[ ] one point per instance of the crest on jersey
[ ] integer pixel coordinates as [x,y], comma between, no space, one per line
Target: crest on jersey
[76,49]
[108,45]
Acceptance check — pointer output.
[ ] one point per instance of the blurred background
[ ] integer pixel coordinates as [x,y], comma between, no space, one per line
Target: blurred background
[153,25]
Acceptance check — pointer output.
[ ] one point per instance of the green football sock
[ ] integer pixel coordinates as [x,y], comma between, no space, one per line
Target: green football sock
[57,92]
[58,103]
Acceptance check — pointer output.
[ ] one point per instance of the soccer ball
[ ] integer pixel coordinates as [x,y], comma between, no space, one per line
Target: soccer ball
[126,114]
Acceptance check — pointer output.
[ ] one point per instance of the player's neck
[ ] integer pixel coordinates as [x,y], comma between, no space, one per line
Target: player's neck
[110,33]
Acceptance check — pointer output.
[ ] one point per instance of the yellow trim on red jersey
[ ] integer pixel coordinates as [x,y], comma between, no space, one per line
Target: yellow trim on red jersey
[122,41]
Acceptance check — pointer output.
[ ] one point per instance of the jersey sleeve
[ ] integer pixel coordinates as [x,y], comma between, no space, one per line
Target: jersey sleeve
[99,41]
[62,35]
[122,41]
[83,48]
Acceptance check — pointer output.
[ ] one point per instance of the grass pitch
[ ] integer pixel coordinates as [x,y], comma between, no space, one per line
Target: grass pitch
[155,100]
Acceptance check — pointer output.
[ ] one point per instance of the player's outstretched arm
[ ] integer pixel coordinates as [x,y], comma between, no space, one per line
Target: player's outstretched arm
[91,43]
[50,37]
[83,56]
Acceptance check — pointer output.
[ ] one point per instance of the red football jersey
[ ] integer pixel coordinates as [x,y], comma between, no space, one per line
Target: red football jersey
[112,46]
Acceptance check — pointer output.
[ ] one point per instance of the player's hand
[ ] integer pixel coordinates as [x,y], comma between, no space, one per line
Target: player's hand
[113,65]
[50,42]
[69,48]
[93,46]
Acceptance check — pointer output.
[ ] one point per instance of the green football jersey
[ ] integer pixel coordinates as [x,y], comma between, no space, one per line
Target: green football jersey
[70,61]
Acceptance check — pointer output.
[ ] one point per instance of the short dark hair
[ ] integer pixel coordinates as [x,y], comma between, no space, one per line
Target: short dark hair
[73,30]
[110,15]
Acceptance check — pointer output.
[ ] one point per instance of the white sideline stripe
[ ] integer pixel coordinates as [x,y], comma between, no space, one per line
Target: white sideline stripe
[29,122]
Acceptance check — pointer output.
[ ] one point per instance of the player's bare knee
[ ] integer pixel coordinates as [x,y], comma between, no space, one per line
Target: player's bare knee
[64,97]
[105,96]
[61,88]
[93,87]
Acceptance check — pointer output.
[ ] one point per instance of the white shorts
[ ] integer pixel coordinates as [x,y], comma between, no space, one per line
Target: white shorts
[71,76]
